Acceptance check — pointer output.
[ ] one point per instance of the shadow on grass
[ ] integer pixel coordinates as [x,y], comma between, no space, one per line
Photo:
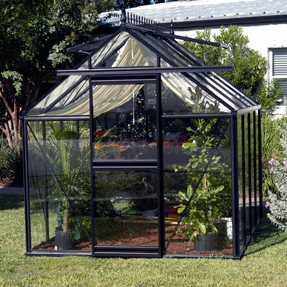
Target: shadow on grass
[266,235]
[10,201]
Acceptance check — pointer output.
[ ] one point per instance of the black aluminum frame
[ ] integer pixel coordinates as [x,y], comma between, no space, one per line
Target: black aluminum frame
[128,75]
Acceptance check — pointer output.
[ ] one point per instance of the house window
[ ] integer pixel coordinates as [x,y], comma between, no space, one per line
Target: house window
[279,72]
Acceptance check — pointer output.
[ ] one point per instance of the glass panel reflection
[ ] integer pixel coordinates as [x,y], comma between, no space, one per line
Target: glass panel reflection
[129,130]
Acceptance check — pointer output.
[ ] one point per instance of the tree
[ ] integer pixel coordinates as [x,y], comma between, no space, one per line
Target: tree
[34,38]
[131,3]
[249,67]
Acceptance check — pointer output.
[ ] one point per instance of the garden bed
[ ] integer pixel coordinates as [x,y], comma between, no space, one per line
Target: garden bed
[143,236]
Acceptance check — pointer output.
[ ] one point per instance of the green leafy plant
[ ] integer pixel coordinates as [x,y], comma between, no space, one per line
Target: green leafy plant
[11,160]
[207,171]
[201,211]
[271,148]
[69,162]
[277,204]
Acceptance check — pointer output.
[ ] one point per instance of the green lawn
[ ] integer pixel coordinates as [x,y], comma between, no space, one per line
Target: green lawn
[264,263]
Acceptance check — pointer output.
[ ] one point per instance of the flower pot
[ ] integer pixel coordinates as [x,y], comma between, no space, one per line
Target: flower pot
[149,213]
[62,239]
[229,226]
[212,241]
[171,211]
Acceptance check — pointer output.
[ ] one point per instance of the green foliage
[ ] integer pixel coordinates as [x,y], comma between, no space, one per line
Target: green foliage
[249,67]
[11,160]
[34,39]
[278,203]
[131,3]
[268,96]
[69,161]
[271,148]
[208,171]
[202,211]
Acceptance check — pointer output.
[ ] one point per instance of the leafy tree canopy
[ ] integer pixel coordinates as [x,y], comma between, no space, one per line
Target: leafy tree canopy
[34,38]
[249,67]
[131,3]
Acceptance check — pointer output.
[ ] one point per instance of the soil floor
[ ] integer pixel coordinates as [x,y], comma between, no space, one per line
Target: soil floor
[175,244]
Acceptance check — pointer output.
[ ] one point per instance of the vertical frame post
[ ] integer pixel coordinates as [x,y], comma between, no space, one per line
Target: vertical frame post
[161,204]
[91,125]
[243,177]
[235,199]
[26,187]
[45,184]
[260,165]
[255,167]
[249,177]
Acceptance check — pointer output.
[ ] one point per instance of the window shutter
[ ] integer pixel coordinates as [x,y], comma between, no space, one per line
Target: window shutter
[279,62]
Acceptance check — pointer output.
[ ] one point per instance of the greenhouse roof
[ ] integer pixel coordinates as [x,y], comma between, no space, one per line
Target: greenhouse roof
[140,50]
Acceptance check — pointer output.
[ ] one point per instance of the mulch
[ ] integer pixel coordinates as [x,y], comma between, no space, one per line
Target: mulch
[178,245]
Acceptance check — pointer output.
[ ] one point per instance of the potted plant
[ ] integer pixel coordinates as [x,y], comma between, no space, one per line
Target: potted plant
[201,209]
[201,218]
[207,170]
[68,160]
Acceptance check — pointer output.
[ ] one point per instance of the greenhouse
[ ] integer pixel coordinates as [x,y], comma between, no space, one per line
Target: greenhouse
[142,150]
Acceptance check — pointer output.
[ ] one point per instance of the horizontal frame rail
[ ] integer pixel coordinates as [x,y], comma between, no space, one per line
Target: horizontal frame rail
[118,72]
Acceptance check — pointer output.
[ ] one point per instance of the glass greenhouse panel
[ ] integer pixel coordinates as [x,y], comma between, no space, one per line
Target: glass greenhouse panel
[130,53]
[153,43]
[180,95]
[59,186]
[126,205]
[198,187]
[111,48]
[69,91]
[128,131]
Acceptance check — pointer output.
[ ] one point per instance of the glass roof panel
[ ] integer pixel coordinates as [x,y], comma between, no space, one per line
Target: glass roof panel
[161,47]
[173,55]
[101,56]
[229,89]
[64,92]
[132,53]
[185,52]
[189,92]
[134,48]
[76,101]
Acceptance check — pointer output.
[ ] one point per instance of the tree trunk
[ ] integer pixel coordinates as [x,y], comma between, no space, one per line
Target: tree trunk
[65,221]
[9,123]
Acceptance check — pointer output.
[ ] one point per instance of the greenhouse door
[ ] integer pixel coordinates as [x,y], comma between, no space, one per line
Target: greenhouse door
[126,173]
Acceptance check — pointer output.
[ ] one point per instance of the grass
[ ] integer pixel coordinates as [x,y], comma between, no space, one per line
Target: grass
[264,263]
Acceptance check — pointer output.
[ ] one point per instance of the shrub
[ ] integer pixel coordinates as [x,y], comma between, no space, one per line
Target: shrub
[278,202]
[11,163]
[271,148]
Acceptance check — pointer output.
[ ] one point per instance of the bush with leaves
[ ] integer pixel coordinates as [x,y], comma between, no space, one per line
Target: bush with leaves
[277,203]
[11,160]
